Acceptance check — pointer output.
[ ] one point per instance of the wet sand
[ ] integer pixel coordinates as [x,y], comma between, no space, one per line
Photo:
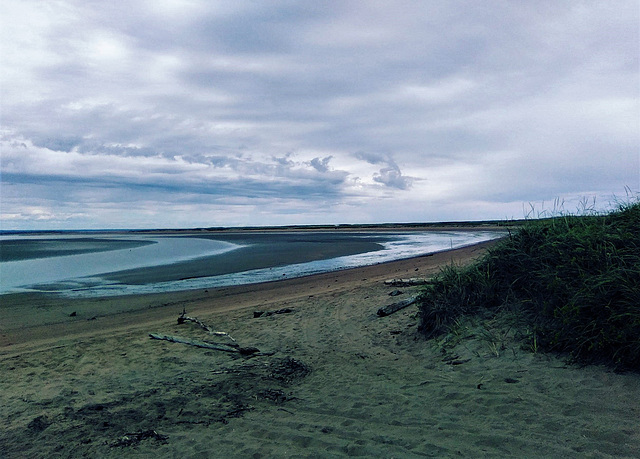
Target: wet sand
[265,254]
[341,381]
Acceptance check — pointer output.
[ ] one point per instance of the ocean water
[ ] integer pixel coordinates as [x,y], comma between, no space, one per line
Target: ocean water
[65,272]
[91,273]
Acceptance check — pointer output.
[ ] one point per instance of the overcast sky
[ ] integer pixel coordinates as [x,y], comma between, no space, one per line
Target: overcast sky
[166,113]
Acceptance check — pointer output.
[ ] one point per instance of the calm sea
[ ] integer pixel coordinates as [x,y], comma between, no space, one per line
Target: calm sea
[106,264]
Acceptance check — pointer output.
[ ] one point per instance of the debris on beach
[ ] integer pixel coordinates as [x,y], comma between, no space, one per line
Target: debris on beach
[183,317]
[194,342]
[412,281]
[208,345]
[232,347]
[394,307]
[288,370]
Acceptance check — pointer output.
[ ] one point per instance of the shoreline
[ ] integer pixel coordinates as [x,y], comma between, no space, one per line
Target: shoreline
[235,258]
[110,316]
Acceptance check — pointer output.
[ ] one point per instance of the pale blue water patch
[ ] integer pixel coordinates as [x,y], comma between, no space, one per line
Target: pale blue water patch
[400,246]
[83,269]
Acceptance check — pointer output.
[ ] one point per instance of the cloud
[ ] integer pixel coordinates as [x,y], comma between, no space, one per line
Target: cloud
[372,158]
[390,175]
[321,165]
[317,113]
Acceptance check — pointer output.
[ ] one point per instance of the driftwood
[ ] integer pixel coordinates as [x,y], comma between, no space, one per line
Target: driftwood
[195,342]
[206,345]
[234,347]
[408,282]
[183,317]
[394,307]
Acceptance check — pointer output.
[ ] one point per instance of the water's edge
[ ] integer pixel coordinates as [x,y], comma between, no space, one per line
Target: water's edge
[192,262]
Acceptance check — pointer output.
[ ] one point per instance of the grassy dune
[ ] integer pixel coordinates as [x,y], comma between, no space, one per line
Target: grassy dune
[569,284]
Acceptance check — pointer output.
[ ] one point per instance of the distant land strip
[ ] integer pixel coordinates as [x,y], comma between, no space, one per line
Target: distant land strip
[435,226]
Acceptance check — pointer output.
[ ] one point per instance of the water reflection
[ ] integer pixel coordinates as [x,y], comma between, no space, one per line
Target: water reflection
[18,275]
[80,275]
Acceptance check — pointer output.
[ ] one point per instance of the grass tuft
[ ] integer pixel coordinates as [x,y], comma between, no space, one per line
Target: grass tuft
[574,281]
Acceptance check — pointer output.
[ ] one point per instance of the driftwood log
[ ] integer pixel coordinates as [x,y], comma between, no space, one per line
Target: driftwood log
[195,342]
[183,317]
[394,307]
[206,345]
[408,282]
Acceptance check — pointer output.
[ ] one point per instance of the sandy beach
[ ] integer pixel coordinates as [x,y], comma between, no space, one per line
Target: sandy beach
[331,378]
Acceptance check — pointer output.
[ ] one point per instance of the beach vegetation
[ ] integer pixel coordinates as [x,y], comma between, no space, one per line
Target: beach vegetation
[569,282]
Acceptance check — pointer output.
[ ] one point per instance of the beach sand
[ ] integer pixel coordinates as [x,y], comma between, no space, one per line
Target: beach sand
[341,381]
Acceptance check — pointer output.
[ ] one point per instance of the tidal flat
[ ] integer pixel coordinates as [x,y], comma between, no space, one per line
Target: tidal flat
[137,263]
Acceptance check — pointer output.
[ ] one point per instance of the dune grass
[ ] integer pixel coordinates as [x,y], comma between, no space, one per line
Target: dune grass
[573,281]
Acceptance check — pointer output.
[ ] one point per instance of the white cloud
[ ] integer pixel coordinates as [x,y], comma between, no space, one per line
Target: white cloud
[313,112]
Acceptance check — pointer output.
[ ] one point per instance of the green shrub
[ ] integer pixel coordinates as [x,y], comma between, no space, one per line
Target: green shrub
[576,280]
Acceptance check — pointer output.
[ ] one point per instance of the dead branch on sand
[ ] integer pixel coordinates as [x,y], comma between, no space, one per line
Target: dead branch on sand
[207,345]
[183,317]
[408,282]
[394,307]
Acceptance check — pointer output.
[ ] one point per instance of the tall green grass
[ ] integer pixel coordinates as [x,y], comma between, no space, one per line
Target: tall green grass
[575,280]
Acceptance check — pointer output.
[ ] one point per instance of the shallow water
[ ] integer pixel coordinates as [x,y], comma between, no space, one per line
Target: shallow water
[38,272]
[163,263]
